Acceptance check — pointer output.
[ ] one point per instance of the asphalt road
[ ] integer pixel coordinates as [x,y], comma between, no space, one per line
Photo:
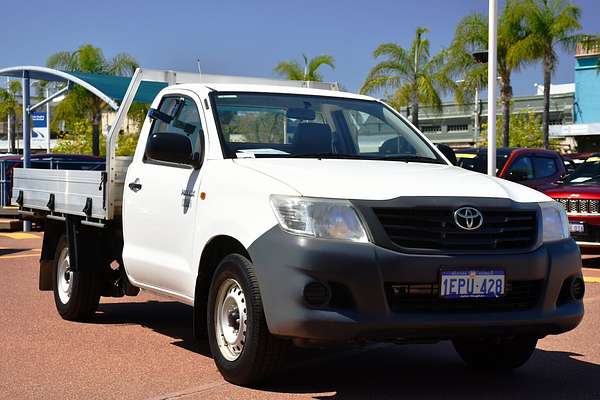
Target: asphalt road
[142,347]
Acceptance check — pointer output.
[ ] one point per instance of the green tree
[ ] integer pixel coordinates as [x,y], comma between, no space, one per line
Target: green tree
[79,140]
[413,74]
[80,103]
[10,108]
[292,70]
[550,25]
[525,131]
[471,35]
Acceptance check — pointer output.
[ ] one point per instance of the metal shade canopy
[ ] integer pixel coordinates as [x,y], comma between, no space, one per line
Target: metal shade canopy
[116,86]
[107,87]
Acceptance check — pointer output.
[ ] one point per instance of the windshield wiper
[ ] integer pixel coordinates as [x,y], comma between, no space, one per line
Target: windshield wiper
[327,155]
[411,158]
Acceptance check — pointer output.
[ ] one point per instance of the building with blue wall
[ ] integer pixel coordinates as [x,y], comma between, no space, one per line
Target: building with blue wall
[585,129]
[587,86]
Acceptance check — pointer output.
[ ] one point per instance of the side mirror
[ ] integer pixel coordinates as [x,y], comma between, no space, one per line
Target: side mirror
[448,153]
[172,148]
[517,175]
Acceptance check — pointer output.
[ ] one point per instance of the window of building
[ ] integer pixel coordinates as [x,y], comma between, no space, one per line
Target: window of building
[431,129]
[458,128]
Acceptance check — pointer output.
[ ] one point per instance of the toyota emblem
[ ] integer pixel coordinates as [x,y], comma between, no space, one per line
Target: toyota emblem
[468,218]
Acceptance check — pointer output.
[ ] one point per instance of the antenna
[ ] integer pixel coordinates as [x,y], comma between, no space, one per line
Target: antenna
[198,65]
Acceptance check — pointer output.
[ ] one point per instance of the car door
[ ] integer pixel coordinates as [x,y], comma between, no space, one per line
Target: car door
[160,202]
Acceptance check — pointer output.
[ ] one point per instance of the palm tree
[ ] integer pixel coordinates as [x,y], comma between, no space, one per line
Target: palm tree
[293,71]
[10,107]
[80,103]
[471,35]
[414,76]
[550,24]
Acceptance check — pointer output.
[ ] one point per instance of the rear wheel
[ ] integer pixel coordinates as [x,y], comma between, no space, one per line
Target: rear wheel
[76,294]
[496,353]
[242,347]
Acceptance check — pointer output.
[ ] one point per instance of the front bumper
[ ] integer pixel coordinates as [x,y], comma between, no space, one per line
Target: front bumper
[286,263]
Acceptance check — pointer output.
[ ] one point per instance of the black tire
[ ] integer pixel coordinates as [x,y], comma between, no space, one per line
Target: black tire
[85,291]
[495,353]
[262,353]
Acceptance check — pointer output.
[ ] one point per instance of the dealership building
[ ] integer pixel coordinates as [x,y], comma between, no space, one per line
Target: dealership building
[574,111]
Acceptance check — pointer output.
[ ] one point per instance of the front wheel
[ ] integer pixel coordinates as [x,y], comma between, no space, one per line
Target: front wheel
[242,347]
[76,294]
[496,353]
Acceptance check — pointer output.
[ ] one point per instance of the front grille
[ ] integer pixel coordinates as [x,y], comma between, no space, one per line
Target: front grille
[424,298]
[580,206]
[435,229]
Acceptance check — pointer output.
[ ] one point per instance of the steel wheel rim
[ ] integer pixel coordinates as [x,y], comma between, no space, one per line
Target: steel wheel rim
[230,319]
[64,276]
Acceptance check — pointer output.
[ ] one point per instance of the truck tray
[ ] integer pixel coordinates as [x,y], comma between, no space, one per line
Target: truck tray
[71,190]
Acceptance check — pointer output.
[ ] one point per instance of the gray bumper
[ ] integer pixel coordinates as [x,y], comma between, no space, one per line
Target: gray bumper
[285,263]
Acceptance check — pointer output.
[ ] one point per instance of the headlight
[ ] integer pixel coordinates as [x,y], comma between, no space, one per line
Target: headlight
[319,218]
[554,221]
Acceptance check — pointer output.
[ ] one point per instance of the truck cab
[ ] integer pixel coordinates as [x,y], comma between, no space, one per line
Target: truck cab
[293,215]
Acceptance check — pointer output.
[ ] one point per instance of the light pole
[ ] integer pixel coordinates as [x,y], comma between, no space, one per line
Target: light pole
[476,119]
[492,74]
[8,125]
[26,132]
[48,150]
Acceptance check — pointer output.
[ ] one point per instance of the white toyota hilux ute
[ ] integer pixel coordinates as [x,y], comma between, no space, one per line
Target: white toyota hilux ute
[287,214]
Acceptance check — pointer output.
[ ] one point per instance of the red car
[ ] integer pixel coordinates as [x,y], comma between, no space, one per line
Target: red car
[536,168]
[580,194]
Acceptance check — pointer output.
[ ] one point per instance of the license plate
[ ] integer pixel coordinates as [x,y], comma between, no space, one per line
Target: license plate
[471,284]
[576,227]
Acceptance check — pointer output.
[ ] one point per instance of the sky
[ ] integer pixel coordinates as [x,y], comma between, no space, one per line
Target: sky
[236,37]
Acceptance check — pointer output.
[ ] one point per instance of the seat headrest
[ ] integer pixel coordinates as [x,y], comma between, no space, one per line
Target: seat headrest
[311,137]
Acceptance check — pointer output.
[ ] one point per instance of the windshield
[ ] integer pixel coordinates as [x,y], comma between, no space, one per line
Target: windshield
[478,161]
[282,125]
[588,172]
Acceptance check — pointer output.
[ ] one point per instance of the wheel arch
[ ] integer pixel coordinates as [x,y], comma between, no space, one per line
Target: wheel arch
[215,250]
[53,230]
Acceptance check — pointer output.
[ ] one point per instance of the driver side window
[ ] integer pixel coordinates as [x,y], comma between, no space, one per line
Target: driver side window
[184,121]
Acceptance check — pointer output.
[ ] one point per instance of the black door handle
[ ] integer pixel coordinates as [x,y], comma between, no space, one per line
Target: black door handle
[135,185]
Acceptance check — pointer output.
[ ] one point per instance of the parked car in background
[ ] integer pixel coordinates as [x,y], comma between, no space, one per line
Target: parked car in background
[535,168]
[579,193]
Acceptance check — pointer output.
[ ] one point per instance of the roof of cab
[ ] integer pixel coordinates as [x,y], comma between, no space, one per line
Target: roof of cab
[253,88]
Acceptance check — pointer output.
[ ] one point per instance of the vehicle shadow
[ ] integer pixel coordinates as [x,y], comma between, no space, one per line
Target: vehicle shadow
[382,370]
[10,251]
[168,318]
[435,371]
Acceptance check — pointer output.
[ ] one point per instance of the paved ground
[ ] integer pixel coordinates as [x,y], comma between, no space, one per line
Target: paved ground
[140,348]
